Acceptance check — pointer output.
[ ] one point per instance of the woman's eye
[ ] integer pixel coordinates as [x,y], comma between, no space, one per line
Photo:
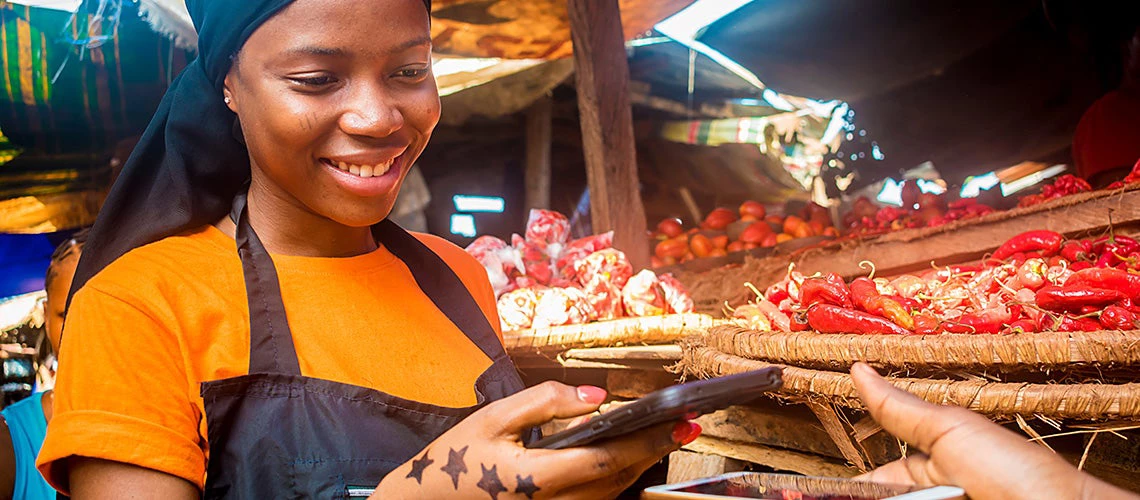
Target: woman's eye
[412,73]
[314,81]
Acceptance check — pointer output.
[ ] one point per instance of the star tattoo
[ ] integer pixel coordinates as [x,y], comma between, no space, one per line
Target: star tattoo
[490,482]
[526,486]
[419,466]
[455,465]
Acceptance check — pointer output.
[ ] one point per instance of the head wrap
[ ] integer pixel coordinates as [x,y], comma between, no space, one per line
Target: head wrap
[188,165]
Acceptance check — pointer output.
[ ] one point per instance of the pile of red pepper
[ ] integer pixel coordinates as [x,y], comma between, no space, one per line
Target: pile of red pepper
[932,211]
[1064,185]
[1036,281]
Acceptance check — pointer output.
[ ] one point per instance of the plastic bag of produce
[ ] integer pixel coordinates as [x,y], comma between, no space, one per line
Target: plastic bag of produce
[562,306]
[516,309]
[643,296]
[567,264]
[676,296]
[605,298]
[609,265]
[535,261]
[502,262]
[549,230]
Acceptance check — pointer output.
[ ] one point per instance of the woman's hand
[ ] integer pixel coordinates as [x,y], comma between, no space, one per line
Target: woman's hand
[483,455]
[964,449]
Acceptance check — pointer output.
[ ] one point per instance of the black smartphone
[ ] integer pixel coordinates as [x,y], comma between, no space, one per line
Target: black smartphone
[669,404]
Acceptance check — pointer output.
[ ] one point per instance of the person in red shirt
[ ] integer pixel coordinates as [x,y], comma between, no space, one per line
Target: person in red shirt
[1107,142]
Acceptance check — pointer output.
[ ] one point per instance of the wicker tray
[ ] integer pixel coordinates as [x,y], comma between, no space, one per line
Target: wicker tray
[1107,349]
[616,333]
[995,399]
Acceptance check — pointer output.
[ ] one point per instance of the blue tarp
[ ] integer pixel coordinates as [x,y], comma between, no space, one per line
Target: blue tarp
[24,260]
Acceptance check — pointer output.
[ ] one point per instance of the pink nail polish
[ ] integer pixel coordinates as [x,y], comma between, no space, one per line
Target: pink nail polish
[591,394]
[694,433]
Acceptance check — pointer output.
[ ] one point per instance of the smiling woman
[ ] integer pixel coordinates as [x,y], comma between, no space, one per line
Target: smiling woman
[251,323]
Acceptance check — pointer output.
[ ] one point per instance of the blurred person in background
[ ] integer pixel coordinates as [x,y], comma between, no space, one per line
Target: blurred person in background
[26,421]
[1106,144]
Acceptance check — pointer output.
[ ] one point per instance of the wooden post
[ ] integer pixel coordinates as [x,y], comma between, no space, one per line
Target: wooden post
[602,76]
[538,129]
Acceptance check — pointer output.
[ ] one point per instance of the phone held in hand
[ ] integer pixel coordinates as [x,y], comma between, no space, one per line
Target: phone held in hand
[674,403]
[757,485]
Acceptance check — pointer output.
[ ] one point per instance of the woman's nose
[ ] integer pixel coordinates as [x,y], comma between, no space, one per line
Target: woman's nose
[372,114]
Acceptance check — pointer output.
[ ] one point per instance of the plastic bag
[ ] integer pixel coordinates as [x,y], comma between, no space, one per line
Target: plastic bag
[605,298]
[608,265]
[676,296]
[535,261]
[567,264]
[643,296]
[502,262]
[516,309]
[562,306]
[549,230]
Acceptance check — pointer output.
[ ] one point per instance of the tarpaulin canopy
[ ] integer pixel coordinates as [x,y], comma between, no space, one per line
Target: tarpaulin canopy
[972,85]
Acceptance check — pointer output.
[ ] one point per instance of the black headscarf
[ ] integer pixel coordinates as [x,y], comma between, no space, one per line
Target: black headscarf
[188,165]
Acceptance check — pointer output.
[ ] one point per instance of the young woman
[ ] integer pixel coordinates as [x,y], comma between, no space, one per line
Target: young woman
[246,324]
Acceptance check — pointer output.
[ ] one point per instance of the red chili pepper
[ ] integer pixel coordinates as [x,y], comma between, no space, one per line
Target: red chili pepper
[776,293]
[1111,279]
[1123,244]
[799,322]
[1118,318]
[1045,242]
[865,294]
[779,320]
[1079,325]
[1077,250]
[925,324]
[911,305]
[829,290]
[1054,298]
[972,323]
[826,318]
[1022,326]
[1080,266]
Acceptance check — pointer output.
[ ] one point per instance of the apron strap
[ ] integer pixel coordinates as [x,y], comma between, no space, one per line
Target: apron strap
[442,286]
[271,348]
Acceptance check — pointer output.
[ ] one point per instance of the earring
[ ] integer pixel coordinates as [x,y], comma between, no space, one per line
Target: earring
[226,99]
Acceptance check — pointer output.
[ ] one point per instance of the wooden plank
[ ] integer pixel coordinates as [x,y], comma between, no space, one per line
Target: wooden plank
[538,136]
[775,458]
[687,466]
[650,352]
[792,427]
[830,419]
[637,383]
[602,76]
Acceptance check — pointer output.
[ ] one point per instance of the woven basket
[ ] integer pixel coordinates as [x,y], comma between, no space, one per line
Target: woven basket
[995,399]
[1107,349]
[616,333]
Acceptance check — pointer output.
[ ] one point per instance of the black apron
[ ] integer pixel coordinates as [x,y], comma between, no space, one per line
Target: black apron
[277,434]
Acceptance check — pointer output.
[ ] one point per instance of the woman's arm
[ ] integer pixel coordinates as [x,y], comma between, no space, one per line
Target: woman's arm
[92,478]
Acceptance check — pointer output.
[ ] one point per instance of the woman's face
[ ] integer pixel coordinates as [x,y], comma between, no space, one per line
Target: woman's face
[336,101]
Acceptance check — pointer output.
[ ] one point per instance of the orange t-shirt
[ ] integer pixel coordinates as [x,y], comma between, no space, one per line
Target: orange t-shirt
[145,332]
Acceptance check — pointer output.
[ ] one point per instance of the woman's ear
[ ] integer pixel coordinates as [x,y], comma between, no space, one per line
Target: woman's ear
[227,93]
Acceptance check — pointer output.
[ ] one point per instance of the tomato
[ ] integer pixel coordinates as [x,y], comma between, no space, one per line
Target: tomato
[735,246]
[670,228]
[719,219]
[770,240]
[791,223]
[783,237]
[752,208]
[720,241]
[671,248]
[756,232]
[701,245]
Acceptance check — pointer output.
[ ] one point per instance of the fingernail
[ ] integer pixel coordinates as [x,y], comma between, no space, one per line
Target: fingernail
[694,433]
[681,432]
[591,394]
[685,432]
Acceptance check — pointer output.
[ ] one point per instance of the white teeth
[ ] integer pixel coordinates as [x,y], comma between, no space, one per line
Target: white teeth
[365,171]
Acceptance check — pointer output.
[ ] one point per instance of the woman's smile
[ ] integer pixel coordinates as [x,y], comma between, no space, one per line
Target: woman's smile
[366,178]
